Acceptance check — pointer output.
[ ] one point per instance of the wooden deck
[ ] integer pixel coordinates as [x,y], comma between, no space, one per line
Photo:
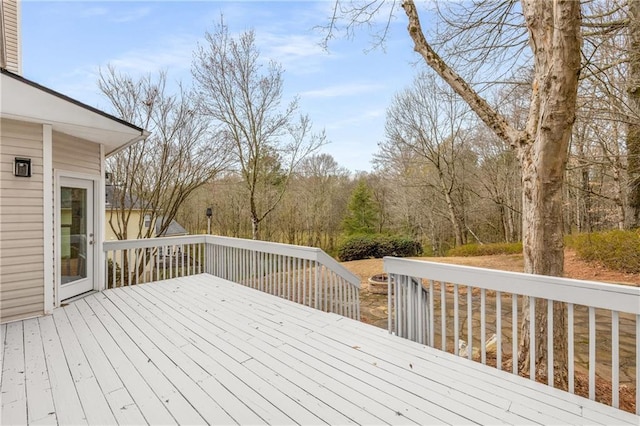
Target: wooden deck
[199,349]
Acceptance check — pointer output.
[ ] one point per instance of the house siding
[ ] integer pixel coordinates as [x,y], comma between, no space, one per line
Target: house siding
[75,155]
[21,223]
[11,35]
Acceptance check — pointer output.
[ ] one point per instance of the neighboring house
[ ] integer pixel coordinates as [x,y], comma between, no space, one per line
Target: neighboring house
[137,224]
[52,168]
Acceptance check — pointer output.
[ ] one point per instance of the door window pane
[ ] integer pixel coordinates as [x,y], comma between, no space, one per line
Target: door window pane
[73,234]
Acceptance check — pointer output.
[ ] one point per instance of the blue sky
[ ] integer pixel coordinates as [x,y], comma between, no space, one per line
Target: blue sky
[344,90]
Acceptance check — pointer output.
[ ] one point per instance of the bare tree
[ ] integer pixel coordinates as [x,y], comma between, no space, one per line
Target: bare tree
[497,181]
[554,36]
[323,195]
[155,176]
[243,98]
[428,119]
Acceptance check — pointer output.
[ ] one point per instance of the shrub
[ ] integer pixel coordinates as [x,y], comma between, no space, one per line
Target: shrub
[469,250]
[377,246]
[618,250]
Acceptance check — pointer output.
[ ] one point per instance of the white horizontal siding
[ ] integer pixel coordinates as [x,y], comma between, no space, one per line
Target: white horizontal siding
[21,223]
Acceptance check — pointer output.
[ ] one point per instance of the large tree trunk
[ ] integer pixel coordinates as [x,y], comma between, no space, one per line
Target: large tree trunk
[554,35]
[633,126]
[554,30]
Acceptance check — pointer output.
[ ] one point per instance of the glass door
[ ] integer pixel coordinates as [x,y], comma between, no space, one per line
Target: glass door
[76,236]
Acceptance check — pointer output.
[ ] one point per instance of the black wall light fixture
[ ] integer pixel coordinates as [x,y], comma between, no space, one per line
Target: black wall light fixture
[22,167]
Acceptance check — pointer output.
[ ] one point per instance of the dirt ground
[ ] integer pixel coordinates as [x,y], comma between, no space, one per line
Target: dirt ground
[374,306]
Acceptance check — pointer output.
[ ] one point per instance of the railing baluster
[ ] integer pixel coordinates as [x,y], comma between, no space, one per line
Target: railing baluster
[443,315]
[341,298]
[278,274]
[550,373]
[570,325]
[532,338]
[483,325]
[170,252]
[425,309]
[289,278]
[153,264]
[324,288]
[396,301]
[298,279]
[332,283]
[402,306]
[432,326]
[420,312]
[410,310]
[592,353]
[456,321]
[130,253]
[304,282]
[514,333]
[262,271]
[615,360]
[346,301]
[498,330]
[114,277]
[391,295]
[316,283]
[469,322]
[351,302]
[236,265]
[248,279]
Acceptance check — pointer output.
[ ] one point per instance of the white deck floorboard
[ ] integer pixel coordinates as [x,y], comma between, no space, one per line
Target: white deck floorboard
[200,350]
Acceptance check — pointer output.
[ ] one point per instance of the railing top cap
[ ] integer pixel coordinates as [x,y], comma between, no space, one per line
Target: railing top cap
[393,263]
[614,297]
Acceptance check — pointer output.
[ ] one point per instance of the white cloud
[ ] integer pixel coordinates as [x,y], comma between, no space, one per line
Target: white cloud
[365,116]
[298,53]
[342,90]
[94,11]
[132,15]
[173,54]
[121,16]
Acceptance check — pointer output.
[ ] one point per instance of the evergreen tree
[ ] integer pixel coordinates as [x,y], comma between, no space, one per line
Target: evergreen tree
[362,213]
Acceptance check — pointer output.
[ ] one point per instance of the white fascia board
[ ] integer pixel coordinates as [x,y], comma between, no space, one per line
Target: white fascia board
[26,101]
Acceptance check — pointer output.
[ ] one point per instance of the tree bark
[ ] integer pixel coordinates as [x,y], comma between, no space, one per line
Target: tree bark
[633,126]
[542,147]
[554,31]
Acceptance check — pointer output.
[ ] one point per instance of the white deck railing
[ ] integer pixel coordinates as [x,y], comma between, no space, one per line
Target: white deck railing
[305,275]
[439,305]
